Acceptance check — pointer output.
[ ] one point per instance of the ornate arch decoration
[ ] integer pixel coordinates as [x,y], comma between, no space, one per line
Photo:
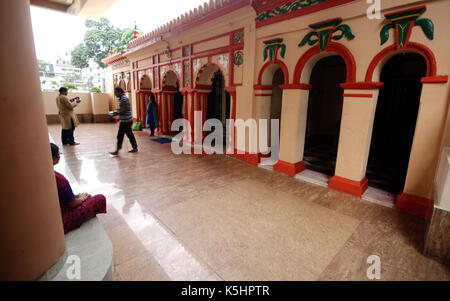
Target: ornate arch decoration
[170,81]
[332,48]
[145,82]
[268,68]
[122,84]
[403,22]
[205,75]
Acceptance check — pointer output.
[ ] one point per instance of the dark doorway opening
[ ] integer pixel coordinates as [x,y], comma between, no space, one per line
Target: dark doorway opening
[324,114]
[178,105]
[395,121]
[276,103]
[219,103]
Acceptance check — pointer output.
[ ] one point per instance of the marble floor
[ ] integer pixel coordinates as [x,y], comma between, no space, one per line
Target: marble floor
[183,217]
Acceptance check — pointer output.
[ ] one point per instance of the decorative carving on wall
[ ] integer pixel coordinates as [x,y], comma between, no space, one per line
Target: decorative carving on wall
[187,73]
[196,65]
[403,22]
[238,58]
[238,38]
[272,47]
[326,30]
[286,8]
[224,61]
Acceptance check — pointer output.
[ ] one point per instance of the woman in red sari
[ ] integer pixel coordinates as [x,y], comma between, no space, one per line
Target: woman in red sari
[75,209]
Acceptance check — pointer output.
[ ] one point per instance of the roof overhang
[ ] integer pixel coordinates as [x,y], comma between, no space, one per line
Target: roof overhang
[88,9]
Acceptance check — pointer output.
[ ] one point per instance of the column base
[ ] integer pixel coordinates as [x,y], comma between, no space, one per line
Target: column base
[348,186]
[253,159]
[413,204]
[289,168]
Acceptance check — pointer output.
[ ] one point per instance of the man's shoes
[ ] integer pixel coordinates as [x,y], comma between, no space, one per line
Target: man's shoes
[134,150]
[75,143]
[115,153]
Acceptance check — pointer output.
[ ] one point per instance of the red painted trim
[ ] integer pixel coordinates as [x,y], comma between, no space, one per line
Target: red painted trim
[302,12]
[434,80]
[213,38]
[348,186]
[262,87]
[253,159]
[263,94]
[405,10]
[421,49]
[282,65]
[296,87]
[362,86]
[413,204]
[203,87]
[337,48]
[170,89]
[358,95]
[289,168]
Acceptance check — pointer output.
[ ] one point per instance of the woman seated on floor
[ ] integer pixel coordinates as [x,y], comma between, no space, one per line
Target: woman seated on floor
[75,209]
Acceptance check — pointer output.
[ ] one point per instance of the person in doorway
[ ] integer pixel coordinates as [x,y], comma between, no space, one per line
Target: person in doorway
[75,208]
[126,122]
[152,115]
[67,116]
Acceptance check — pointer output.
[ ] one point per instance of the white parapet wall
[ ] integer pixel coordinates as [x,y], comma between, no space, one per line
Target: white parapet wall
[94,107]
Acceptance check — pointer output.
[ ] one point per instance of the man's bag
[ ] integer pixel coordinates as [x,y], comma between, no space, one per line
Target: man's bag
[137,126]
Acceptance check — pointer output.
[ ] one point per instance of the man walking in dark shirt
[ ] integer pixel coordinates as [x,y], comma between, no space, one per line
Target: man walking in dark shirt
[126,122]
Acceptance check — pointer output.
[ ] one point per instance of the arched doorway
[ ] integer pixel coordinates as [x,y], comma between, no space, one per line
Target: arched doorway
[395,121]
[178,104]
[172,105]
[275,104]
[218,103]
[324,114]
[143,98]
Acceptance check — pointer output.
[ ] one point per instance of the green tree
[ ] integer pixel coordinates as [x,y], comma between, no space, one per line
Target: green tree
[96,90]
[41,65]
[70,86]
[98,40]
[80,56]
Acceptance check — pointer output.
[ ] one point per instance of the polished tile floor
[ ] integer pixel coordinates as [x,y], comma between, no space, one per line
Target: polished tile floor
[182,217]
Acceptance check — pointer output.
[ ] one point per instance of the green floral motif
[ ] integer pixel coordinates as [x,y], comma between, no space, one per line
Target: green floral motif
[323,31]
[403,22]
[271,49]
[287,8]
[238,38]
[186,74]
[427,27]
[186,51]
[238,58]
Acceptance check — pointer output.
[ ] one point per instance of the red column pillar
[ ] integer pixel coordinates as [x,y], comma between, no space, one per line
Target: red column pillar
[158,96]
[204,108]
[164,112]
[171,99]
[192,97]
[231,146]
[138,106]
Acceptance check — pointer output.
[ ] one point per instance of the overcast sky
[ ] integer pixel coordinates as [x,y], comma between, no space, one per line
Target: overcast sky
[57,33]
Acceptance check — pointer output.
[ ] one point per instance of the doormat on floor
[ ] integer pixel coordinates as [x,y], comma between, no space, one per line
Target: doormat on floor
[162,140]
[142,133]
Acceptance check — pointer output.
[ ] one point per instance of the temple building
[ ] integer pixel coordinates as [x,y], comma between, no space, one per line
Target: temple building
[361,94]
